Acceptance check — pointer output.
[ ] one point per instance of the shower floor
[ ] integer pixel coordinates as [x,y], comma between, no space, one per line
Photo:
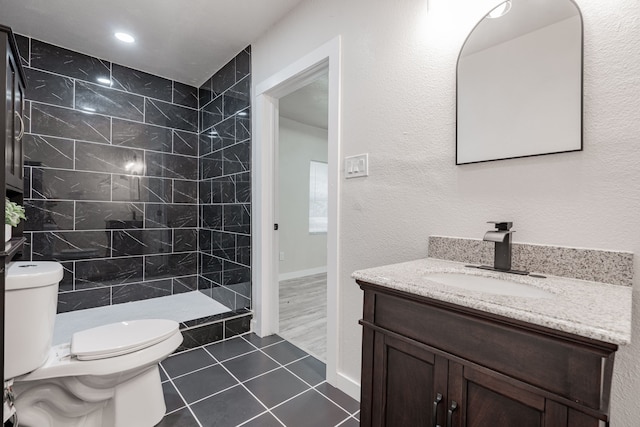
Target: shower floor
[179,307]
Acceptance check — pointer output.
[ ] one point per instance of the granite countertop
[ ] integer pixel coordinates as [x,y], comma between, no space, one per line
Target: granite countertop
[590,309]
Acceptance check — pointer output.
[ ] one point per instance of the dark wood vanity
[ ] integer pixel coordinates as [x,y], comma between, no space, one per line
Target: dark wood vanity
[431,363]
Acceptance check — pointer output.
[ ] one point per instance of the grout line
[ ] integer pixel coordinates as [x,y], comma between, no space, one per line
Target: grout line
[183,399]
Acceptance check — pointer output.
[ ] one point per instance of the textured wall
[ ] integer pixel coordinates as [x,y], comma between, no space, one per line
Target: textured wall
[111,182]
[398,104]
[225,184]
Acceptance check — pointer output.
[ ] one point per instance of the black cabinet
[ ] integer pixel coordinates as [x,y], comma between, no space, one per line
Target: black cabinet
[429,363]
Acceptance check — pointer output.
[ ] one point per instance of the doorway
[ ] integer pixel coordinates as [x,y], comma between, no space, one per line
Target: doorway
[265,253]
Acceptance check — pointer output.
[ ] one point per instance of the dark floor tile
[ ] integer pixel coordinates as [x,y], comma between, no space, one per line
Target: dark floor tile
[276,387]
[264,420]
[186,362]
[284,352]
[181,418]
[171,397]
[230,348]
[261,342]
[338,396]
[227,409]
[163,375]
[309,369]
[357,415]
[205,382]
[250,365]
[351,422]
[310,409]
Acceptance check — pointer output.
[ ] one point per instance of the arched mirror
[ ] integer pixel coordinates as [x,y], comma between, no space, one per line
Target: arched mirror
[519,82]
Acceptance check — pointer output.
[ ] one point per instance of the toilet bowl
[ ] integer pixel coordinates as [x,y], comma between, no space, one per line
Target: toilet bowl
[106,376]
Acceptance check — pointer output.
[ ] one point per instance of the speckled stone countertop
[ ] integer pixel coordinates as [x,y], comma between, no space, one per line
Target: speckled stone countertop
[590,309]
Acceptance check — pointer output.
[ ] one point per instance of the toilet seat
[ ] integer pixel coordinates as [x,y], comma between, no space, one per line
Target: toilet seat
[121,338]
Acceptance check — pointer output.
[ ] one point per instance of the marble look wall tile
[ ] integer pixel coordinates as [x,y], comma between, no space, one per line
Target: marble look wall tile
[243,187]
[237,99]
[205,94]
[139,135]
[205,142]
[170,115]
[243,63]
[142,242]
[71,301]
[236,158]
[237,278]
[26,247]
[141,83]
[211,114]
[45,215]
[105,272]
[226,134]
[140,291]
[211,269]
[108,158]
[70,185]
[48,151]
[224,78]
[204,191]
[223,190]
[70,245]
[102,100]
[243,252]
[66,284]
[212,217]
[204,240]
[211,165]
[185,95]
[68,63]
[185,143]
[201,335]
[171,216]
[23,43]
[161,266]
[185,239]
[615,267]
[243,125]
[185,284]
[171,166]
[49,88]
[108,215]
[185,191]
[72,124]
[142,189]
[223,245]
[237,218]
[224,296]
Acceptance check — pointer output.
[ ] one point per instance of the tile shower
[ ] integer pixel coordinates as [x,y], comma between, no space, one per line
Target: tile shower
[124,190]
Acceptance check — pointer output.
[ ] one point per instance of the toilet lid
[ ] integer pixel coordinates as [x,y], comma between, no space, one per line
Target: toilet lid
[117,339]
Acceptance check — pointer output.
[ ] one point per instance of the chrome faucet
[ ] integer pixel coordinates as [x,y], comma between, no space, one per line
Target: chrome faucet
[502,238]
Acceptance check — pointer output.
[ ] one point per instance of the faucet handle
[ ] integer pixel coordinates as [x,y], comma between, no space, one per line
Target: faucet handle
[502,225]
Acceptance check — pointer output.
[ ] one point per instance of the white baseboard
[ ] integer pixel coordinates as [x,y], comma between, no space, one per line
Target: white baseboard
[302,273]
[349,386]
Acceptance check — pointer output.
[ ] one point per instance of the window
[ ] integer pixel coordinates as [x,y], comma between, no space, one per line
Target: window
[318,197]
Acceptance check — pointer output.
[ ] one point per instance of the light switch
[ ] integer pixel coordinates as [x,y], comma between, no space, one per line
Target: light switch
[356,166]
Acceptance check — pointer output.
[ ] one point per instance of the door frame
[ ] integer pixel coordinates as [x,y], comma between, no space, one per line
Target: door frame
[325,58]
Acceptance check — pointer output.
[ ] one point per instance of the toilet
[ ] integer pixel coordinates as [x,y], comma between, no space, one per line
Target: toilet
[105,377]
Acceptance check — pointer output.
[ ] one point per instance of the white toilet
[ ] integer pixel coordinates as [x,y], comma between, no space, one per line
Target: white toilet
[105,377]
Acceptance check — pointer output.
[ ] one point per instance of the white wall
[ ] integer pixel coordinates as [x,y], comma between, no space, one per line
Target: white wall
[398,104]
[298,145]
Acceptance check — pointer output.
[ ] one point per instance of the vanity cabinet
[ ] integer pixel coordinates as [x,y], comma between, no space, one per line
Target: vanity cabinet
[430,363]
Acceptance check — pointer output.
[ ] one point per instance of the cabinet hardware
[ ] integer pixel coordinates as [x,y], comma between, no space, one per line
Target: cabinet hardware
[21,134]
[436,402]
[452,409]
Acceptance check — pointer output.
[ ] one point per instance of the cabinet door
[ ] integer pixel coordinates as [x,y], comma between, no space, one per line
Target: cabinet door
[409,384]
[485,399]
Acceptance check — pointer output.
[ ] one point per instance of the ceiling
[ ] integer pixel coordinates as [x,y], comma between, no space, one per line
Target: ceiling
[309,104]
[183,40]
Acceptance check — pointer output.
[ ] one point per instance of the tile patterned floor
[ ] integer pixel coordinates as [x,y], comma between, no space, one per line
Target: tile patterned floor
[253,382]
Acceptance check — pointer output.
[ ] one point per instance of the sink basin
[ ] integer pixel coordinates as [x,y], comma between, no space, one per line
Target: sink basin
[490,285]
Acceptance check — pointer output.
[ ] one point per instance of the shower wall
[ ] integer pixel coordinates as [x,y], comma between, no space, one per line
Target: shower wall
[225,184]
[111,177]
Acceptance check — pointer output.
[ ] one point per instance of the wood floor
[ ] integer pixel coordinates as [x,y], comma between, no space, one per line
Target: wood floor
[303,313]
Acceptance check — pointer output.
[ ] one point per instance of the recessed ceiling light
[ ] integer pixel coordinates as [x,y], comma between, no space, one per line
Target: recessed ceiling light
[501,10]
[103,80]
[127,38]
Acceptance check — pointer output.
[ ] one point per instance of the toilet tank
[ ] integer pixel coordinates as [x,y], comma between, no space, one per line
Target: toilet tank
[31,298]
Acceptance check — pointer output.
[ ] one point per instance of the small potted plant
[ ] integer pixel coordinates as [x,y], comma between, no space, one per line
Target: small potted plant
[13,213]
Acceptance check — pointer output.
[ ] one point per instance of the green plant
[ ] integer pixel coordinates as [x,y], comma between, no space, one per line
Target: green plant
[13,213]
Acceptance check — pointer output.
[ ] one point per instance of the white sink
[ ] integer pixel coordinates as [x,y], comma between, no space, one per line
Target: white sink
[490,285]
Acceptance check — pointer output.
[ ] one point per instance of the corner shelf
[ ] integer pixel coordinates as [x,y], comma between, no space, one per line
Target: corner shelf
[12,247]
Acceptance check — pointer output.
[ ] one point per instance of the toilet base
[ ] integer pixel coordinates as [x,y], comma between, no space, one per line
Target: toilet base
[119,400]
